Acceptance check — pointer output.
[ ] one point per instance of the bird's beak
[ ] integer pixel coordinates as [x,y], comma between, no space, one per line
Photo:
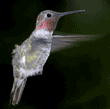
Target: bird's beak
[70,12]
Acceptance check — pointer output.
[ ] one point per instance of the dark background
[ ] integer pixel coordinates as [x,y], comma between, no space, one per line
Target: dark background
[77,77]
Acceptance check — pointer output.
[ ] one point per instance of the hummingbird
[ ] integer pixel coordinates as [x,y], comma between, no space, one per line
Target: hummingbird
[30,57]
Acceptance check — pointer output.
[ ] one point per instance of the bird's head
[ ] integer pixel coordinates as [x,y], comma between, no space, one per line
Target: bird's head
[47,20]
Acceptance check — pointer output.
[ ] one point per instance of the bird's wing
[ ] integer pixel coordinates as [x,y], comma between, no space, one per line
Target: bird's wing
[60,42]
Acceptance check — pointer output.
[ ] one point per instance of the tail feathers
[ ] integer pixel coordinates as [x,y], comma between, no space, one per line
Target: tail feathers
[17,90]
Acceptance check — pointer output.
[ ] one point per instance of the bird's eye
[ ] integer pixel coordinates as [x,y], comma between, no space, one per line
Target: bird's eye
[48,15]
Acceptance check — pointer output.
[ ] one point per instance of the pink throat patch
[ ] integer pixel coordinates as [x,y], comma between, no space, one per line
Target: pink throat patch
[48,23]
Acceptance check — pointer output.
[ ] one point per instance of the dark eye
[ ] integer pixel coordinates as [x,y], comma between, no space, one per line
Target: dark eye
[48,15]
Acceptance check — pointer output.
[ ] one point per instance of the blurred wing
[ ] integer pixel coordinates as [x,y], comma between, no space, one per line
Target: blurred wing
[60,42]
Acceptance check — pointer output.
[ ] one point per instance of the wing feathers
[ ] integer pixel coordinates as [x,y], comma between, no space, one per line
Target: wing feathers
[60,42]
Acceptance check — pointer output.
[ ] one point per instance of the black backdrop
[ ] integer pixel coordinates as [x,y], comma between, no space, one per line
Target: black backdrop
[77,77]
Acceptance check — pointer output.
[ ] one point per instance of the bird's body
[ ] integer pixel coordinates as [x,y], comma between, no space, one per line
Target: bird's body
[30,57]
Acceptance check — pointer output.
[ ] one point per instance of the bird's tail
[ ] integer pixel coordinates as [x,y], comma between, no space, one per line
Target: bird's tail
[17,89]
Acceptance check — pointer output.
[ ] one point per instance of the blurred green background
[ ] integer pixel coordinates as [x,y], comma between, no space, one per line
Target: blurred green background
[77,77]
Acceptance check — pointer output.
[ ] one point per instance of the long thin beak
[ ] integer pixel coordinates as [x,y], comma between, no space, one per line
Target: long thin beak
[70,12]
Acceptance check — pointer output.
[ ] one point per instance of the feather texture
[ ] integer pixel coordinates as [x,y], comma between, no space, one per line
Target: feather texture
[17,91]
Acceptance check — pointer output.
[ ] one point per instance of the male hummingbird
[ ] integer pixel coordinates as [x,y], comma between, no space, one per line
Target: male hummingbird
[30,57]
